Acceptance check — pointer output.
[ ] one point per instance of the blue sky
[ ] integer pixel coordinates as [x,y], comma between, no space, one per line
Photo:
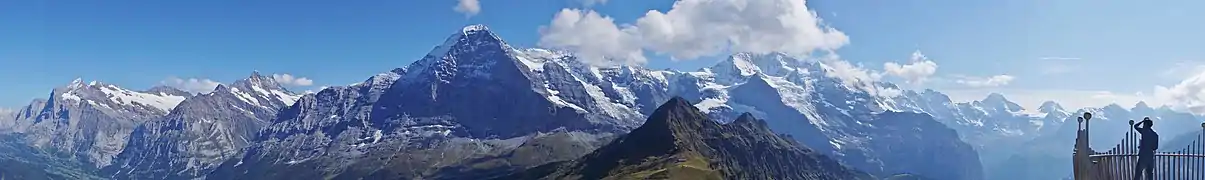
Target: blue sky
[1079,52]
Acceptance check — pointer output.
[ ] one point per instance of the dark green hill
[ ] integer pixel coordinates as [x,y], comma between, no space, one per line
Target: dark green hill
[679,142]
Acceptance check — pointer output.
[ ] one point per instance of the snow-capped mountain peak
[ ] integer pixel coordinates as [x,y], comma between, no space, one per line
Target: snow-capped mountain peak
[1142,108]
[476,35]
[260,91]
[1114,107]
[1051,107]
[995,98]
[76,84]
[474,52]
[998,102]
[475,28]
[747,64]
[259,80]
[109,96]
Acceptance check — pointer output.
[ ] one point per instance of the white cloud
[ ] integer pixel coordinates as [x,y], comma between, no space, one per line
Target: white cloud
[917,72]
[1187,95]
[856,76]
[191,84]
[696,28]
[468,7]
[595,38]
[889,92]
[290,80]
[983,82]
[851,73]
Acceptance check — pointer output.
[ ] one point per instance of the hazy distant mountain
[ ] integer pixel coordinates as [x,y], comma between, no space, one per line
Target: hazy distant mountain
[993,125]
[679,141]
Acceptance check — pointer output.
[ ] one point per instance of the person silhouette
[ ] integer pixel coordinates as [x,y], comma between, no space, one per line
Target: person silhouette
[1146,149]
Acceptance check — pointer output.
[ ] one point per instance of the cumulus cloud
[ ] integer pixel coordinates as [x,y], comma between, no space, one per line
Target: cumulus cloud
[697,28]
[290,80]
[468,7]
[856,76]
[193,85]
[594,37]
[1189,94]
[694,28]
[851,73]
[982,82]
[919,69]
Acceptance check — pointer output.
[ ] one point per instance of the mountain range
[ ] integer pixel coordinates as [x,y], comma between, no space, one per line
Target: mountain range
[477,108]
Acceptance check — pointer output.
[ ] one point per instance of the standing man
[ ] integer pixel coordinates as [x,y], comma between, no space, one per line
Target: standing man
[1146,149]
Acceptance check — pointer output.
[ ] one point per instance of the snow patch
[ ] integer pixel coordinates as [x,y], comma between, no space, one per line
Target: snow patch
[285,97]
[707,104]
[376,136]
[837,143]
[552,96]
[70,96]
[474,28]
[798,98]
[292,162]
[745,67]
[244,96]
[604,103]
[160,101]
[106,106]
[244,110]
[531,63]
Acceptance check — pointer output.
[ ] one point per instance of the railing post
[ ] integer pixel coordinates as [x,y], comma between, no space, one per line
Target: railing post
[1080,158]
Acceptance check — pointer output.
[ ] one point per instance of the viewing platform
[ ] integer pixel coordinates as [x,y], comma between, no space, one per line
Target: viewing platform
[1119,162]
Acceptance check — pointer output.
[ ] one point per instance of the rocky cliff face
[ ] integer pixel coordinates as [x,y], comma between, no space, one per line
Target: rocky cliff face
[473,97]
[202,131]
[678,141]
[89,122]
[476,88]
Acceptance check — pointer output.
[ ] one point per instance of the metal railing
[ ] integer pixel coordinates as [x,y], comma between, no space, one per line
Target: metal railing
[1119,162]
